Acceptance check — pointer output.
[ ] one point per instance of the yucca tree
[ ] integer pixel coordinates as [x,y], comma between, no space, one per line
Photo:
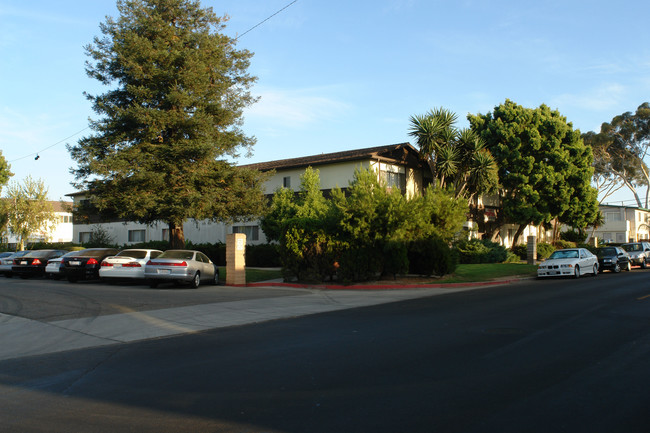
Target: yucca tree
[458,158]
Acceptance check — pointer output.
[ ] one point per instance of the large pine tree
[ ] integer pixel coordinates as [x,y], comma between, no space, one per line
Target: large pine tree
[173,112]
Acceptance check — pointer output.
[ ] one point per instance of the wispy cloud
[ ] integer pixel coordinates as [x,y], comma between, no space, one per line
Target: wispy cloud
[296,108]
[602,98]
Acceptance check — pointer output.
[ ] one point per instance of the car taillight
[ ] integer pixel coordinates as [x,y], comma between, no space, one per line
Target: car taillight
[150,263]
[36,262]
[92,261]
[131,265]
[105,264]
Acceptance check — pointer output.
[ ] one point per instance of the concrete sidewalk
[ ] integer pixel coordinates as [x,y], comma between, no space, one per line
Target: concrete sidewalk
[23,337]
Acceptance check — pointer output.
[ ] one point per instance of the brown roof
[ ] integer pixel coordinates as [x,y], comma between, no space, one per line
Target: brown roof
[400,151]
[61,206]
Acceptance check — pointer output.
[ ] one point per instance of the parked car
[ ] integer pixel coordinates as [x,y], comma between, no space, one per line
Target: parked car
[54,267]
[85,264]
[570,262]
[613,258]
[639,253]
[127,264]
[181,266]
[33,263]
[7,263]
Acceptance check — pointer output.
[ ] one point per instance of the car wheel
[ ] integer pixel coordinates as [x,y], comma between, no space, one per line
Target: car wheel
[617,268]
[629,266]
[196,281]
[595,270]
[153,284]
[215,279]
[644,265]
[576,274]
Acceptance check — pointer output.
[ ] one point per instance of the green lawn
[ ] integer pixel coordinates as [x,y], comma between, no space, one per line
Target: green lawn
[489,271]
[463,274]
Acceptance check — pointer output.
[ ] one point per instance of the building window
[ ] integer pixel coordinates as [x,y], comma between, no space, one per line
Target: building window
[136,235]
[286,181]
[393,176]
[612,216]
[84,237]
[165,234]
[252,232]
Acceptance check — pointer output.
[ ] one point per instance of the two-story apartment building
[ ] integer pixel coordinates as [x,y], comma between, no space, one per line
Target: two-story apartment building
[397,165]
[623,224]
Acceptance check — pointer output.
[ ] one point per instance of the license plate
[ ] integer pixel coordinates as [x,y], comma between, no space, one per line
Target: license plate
[164,271]
[74,263]
[23,263]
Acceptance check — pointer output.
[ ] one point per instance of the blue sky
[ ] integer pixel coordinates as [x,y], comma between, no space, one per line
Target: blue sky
[338,75]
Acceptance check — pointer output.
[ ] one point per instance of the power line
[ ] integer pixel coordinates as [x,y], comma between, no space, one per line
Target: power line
[49,147]
[79,132]
[265,20]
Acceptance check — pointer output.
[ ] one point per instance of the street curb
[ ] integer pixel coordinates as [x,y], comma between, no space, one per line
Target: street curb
[378,286]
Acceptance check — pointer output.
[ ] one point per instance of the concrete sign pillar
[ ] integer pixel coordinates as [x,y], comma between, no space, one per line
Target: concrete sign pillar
[531,250]
[236,259]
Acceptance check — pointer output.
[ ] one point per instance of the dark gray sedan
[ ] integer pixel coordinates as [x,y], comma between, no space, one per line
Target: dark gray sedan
[181,266]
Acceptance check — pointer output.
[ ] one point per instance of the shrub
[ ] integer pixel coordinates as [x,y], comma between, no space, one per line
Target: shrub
[431,256]
[359,264]
[395,257]
[216,252]
[521,251]
[577,236]
[544,250]
[263,256]
[564,244]
[480,251]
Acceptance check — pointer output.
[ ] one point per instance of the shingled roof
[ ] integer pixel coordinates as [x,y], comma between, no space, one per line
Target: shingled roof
[392,152]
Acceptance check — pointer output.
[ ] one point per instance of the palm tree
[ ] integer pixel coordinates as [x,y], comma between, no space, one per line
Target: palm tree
[456,157]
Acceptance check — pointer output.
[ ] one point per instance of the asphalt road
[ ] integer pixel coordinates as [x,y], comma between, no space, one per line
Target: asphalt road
[536,356]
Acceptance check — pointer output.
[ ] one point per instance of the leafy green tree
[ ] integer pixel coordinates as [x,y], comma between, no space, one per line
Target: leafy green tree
[545,168]
[173,113]
[5,175]
[458,157]
[29,209]
[620,151]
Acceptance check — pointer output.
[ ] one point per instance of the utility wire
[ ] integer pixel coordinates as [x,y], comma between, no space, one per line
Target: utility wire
[79,132]
[263,21]
[49,147]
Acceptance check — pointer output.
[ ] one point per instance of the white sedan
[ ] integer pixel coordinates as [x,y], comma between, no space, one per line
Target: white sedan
[179,266]
[127,264]
[570,262]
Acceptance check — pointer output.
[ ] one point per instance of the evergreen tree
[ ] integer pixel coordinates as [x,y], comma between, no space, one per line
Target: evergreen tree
[173,113]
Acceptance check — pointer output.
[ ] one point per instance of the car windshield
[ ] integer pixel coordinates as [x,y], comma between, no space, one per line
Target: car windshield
[136,254]
[564,254]
[633,247]
[176,254]
[607,252]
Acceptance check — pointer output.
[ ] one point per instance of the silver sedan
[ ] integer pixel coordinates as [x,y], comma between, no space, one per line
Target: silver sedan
[186,266]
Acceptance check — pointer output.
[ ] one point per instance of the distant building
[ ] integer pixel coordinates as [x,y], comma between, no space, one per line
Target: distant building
[60,231]
[622,224]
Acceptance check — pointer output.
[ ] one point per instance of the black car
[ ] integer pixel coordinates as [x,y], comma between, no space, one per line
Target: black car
[33,263]
[85,264]
[613,259]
